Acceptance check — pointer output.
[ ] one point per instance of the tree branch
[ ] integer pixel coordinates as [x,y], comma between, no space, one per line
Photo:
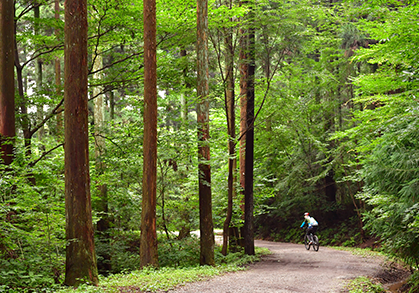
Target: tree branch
[44,154]
[268,81]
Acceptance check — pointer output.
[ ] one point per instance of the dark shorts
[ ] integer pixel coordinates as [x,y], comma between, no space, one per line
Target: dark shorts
[312,230]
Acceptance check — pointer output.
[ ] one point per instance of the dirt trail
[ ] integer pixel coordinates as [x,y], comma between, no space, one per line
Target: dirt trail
[291,268]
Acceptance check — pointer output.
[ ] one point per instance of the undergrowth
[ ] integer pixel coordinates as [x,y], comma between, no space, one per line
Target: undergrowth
[165,278]
[363,284]
[178,262]
[363,252]
[414,282]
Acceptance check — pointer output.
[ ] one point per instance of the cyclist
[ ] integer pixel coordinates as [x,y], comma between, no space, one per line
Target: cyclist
[312,226]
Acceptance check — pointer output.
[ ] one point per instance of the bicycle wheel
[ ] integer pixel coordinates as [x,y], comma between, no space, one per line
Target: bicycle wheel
[316,243]
[306,242]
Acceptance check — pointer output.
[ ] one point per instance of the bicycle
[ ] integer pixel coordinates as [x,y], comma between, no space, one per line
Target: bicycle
[315,243]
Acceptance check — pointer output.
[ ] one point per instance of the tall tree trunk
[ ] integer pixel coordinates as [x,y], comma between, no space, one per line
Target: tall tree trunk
[249,244]
[24,117]
[205,205]
[7,90]
[243,67]
[185,215]
[38,76]
[231,125]
[80,253]
[112,105]
[183,101]
[57,68]
[148,241]
[102,227]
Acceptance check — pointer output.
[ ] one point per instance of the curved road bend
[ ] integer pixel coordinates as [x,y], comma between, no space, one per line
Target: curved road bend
[291,268]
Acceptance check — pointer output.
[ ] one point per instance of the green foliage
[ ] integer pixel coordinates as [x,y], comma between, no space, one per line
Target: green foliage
[385,131]
[300,167]
[178,253]
[173,252]
[414,282]
[342,233]
[151,280]
[336,97]
[29,273]
[165,278]
[32,236]
[363,284]
[123,251]
[363,252]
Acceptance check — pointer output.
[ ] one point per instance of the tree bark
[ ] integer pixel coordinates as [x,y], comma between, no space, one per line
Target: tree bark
[185,229]
[231,128]
[57,68]
[7,90]
[249,244]
[112,105]
[24,118]
[102,227]
[183,100]
[80,252]
[243,67]
[207,241]
[38,77]
[148,241]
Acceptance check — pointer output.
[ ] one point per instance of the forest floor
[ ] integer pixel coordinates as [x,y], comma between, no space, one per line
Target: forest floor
[292,268]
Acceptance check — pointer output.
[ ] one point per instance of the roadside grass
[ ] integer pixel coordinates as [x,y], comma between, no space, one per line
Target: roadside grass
[165,278]
[414,282]
[363,252]
[364,284]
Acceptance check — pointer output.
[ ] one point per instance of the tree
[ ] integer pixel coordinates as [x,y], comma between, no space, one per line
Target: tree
[247,112]
[80,253]
[243,68]
[32,49]
[57,70]
[305,85]
[148,244]
[7,90]
[230,106]
[249,245]
[385,130]
[205,201]
[102,227]
[38,72]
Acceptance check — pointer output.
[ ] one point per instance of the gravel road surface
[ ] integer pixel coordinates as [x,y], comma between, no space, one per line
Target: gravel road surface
[292,268]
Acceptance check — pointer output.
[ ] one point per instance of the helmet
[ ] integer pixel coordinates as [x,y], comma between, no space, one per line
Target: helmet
[306,214]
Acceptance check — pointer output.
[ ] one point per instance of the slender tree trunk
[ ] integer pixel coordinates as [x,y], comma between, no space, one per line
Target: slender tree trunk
[243,67]
[7,90]
[57,68]
[80,253]
[148,241]
[112,105]
[185,215]
[24,118]
[38,76]
[102,227]
[183,101]
[231,117]
[205,205]
[249,244]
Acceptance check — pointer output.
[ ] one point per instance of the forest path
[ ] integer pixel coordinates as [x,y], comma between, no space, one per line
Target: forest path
[292,268]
